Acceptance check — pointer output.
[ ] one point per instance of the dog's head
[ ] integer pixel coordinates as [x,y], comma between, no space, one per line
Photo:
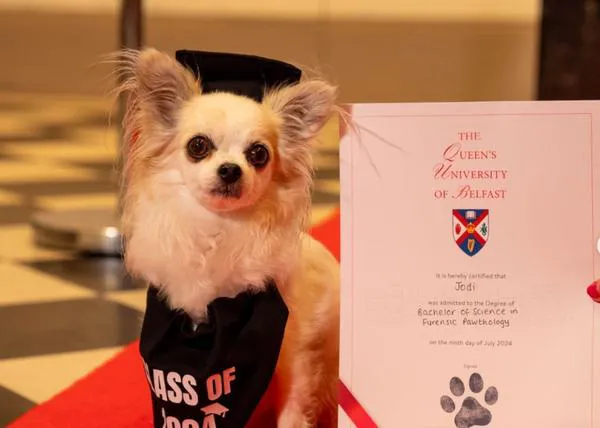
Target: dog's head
[227,152]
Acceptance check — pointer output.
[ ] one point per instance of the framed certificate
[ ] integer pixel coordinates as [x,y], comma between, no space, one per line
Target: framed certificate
[469,233]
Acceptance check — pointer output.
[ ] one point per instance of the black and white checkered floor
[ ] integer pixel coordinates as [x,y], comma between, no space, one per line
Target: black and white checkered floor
[61,314]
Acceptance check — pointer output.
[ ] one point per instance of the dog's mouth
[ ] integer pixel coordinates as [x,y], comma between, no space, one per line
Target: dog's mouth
[233,191]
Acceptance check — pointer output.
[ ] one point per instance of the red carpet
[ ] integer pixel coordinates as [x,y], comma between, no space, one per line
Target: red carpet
[116,395]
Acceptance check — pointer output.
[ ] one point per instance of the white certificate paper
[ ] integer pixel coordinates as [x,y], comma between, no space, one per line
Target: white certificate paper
[469,236]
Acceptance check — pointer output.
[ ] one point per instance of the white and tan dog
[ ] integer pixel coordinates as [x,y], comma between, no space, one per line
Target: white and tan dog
[216,197]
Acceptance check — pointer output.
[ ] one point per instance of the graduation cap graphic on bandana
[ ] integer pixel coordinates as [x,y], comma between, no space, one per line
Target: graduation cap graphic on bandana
[214,374]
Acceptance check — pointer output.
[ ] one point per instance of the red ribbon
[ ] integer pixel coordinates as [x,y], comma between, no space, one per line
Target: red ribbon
[350,405]
[594,293]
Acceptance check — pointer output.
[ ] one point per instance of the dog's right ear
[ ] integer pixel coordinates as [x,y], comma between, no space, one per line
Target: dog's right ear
[156,86]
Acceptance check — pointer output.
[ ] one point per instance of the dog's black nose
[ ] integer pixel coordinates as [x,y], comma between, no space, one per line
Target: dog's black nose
[229,172]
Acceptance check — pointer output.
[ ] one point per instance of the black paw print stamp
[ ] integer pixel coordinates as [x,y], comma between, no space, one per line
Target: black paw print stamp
[471,413]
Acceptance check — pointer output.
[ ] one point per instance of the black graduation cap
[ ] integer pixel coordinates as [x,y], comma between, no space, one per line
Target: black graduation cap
[241,74]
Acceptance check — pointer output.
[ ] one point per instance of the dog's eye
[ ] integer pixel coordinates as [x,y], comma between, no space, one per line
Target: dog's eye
[258,155]
[199,147]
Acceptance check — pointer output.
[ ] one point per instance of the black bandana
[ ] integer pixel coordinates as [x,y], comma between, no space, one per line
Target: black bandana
[215,375]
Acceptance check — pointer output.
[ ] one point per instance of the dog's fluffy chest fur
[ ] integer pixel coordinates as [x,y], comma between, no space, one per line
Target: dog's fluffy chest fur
[194,256]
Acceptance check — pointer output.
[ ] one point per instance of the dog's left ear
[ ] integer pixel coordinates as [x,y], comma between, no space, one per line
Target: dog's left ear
[301,111]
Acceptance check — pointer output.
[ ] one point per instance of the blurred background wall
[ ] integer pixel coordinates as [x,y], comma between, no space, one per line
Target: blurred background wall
[377,50]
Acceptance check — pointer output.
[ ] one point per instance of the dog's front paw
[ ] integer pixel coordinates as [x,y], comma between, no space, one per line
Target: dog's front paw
[293,418]
[299,423]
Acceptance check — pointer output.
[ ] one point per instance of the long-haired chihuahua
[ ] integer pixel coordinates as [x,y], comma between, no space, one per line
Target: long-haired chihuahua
[216,199]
